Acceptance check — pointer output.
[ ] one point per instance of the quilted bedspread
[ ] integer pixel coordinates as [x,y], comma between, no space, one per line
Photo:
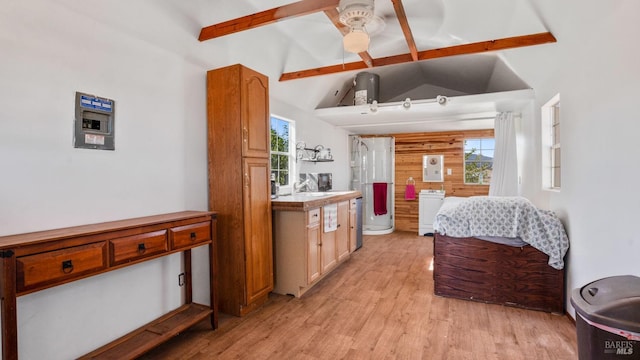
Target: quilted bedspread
[506,217]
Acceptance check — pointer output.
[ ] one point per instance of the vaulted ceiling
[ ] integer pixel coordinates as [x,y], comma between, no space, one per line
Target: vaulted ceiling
[419,48]
[313,41]
[377,26]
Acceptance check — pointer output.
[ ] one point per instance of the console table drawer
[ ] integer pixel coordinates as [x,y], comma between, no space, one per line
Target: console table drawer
[130,248]
[189,235]
[59,266]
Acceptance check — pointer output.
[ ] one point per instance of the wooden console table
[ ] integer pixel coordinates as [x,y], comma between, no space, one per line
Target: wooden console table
[40,260]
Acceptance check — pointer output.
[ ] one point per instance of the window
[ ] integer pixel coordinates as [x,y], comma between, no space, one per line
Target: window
[478,160]
[282,147]
[550,115]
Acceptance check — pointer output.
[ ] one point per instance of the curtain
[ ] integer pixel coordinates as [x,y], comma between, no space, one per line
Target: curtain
[504,177]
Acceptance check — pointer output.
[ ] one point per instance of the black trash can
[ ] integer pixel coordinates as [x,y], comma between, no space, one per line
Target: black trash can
[608,318]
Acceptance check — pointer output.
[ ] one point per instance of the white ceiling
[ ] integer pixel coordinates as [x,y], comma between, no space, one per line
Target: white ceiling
[313,41]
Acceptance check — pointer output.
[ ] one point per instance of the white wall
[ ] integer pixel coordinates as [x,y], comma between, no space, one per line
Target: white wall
[159,165]
[594,67]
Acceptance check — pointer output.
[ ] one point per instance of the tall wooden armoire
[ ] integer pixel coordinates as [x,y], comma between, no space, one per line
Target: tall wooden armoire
[239,186]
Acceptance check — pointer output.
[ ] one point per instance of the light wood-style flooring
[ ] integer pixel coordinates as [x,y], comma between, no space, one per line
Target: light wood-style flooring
[379,304]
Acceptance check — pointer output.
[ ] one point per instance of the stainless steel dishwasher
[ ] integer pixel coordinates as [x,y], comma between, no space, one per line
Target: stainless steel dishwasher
[358,223]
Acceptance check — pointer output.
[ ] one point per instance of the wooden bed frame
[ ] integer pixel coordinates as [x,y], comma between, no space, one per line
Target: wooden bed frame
[474,269]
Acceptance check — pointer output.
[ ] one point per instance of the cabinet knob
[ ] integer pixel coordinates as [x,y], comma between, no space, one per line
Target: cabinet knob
[141,248]
[193,236]
[67,266]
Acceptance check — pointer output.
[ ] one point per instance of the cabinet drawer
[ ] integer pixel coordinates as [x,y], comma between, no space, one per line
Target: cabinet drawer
[58,266]
[313,216]
[352,204]
[189,235]
[123,250]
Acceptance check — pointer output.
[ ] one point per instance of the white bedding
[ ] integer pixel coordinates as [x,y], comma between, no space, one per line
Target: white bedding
[511,217]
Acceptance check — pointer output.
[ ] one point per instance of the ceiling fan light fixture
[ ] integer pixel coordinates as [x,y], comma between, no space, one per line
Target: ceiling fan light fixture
[356,41]
[356,14]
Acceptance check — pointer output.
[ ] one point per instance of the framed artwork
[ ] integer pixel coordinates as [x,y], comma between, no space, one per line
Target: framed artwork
[433,168]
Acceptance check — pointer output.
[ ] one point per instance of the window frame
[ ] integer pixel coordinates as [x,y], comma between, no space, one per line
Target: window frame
[551,157]
[285,189]
[464,161]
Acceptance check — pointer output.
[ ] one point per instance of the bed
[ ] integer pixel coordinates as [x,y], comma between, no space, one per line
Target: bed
[500,250]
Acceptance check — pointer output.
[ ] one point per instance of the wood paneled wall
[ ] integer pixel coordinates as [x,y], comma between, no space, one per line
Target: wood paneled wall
[409,151]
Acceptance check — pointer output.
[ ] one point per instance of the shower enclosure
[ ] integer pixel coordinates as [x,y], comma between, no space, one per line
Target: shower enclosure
[372,173]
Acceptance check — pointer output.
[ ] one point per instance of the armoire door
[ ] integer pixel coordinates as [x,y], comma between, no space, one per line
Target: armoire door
[257,228]
[255,114]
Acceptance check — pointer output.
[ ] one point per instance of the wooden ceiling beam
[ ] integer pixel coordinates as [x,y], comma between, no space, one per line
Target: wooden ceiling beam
[406,30]
[465,49]
[334,16]
[266,17]
[490,45]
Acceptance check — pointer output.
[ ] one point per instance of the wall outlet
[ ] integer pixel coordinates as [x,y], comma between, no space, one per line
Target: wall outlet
[181,279]
[448,171]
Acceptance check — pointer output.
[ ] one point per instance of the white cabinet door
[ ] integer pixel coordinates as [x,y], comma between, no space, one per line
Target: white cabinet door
[430,203]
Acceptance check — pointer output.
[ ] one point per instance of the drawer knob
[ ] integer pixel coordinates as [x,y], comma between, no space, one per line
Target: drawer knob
[141,248]
[193,236]
[67,266]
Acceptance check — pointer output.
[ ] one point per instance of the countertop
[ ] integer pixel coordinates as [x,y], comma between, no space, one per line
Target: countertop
[310,200]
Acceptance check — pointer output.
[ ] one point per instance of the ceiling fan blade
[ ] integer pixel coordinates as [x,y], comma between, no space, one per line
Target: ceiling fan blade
[266,17]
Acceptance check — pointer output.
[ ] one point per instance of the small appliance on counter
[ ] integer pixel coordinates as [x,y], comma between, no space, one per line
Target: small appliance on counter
[324,182]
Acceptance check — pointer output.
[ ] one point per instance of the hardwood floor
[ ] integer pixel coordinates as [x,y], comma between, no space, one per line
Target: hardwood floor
[379,305]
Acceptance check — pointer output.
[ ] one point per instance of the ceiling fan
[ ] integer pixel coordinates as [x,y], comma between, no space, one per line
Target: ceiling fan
[356,14]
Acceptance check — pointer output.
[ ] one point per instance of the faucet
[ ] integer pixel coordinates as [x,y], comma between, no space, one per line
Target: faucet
[299,185]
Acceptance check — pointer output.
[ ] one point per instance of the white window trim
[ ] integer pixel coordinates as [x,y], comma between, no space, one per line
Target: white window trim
[288,189]
[547,115]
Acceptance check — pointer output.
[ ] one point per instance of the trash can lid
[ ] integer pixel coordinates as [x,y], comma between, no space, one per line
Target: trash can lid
[612,301]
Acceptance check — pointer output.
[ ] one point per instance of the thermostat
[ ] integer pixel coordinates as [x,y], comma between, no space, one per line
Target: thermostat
[94,123]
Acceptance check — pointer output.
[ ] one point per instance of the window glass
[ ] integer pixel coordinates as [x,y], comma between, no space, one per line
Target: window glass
[555,147]
[551,150]
[478,160]
[281,150]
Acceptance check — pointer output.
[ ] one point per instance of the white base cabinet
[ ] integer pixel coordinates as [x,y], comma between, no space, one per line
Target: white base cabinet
[430,202]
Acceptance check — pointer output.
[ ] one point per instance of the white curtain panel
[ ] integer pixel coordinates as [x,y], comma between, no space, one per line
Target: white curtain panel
[504,177]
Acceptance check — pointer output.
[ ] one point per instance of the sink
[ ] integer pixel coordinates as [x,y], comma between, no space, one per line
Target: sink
[340,192]
[314,193]
[323,193]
